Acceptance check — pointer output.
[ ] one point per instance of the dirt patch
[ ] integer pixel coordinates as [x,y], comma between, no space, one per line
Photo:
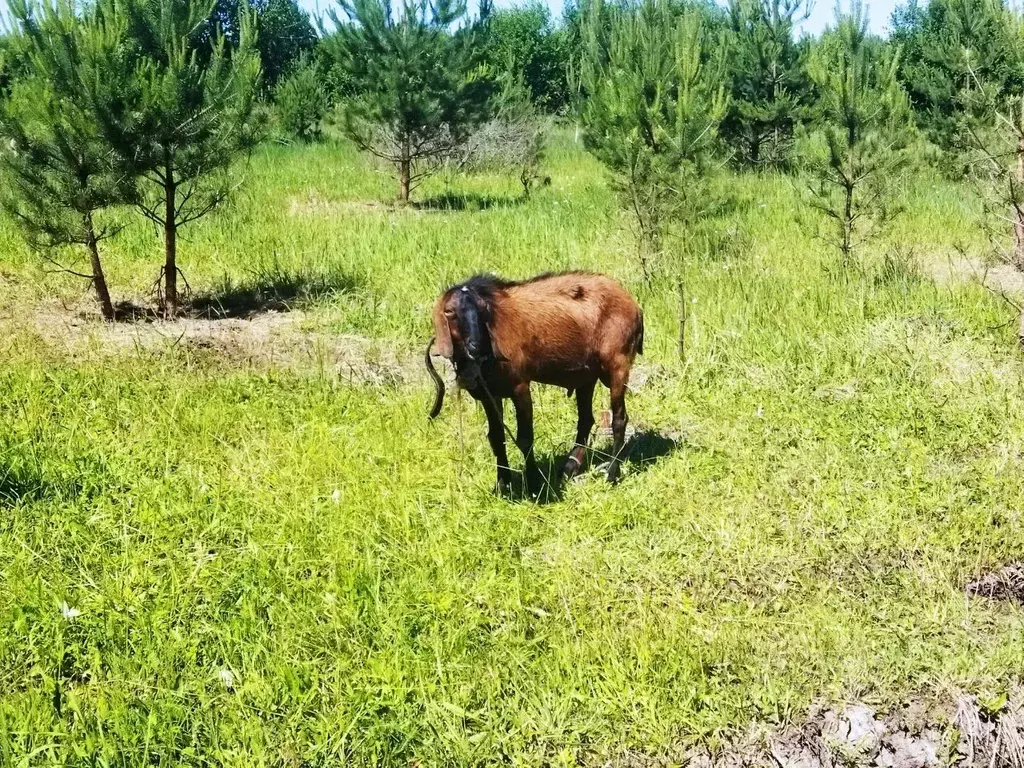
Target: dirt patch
[1006,583]
[1001,278]
[964,732]
[267,340]
[312,205]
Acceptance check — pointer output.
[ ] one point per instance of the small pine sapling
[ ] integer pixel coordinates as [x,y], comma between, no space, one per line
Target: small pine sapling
[417,81]
[654,98]
[59,171]
[867,126]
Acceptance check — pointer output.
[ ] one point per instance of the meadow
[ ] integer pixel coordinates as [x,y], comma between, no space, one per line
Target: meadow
[228,548]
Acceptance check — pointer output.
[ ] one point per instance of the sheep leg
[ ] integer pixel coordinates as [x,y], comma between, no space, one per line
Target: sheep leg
[619,421]
[524,434]
[585,422]
[496,437]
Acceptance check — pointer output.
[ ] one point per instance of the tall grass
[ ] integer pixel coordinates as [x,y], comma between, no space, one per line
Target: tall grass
[208,562]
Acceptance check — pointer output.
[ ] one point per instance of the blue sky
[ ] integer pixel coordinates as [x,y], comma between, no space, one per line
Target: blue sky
[879,12]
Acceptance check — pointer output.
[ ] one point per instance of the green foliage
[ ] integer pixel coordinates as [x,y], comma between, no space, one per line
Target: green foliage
[182,113]
[8,62]
[418,84]
[524,42]
[771,93]
[991,135]
[654,99]
[15,47]
[283,32]
[866,121]
[514,139]
[301,101]
[58,171]
[951,49]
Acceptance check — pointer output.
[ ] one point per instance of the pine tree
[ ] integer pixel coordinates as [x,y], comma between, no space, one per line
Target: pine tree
[284,33]
[182,114]
[58,170]
[416,80]
[653,102]
[867,126]
[302,101]
[770,92]
[950,49]
[525,131]
[991,130]
[524,42]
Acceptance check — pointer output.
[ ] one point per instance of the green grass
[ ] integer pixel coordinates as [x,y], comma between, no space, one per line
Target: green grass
[849,452]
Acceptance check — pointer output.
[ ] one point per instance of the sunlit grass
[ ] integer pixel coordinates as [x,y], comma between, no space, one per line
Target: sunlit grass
[273,568]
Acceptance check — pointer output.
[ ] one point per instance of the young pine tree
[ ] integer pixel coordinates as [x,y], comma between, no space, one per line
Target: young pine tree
[991,130]
[523,41]
[183,113]
[653,101]
[418,87]
[951,49]
[58,170]
[302,101]
[867,125]
[770,90]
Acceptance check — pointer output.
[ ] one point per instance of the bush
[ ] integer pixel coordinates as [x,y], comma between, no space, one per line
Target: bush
[302,102]
[514,140]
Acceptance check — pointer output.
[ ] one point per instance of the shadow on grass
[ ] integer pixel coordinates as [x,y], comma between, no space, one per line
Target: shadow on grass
[272,291]
[268,289]
[641,452]
[18,484]
[467,201]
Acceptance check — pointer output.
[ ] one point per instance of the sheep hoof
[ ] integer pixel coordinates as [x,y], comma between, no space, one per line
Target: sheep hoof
[534,486]
[571,468]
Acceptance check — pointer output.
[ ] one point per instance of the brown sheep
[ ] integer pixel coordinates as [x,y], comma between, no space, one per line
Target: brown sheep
[570,330]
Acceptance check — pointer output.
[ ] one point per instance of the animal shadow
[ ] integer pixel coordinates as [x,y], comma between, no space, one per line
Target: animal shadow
[646,447]
[640,453]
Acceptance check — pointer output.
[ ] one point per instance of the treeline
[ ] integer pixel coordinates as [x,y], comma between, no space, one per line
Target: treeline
[147,104]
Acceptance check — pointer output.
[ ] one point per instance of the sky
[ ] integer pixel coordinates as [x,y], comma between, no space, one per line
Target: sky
[879,12]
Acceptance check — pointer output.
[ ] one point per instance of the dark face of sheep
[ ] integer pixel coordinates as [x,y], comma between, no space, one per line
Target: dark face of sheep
[460,327]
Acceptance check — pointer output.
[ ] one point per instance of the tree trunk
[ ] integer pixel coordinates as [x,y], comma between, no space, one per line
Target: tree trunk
[170,243]
[99,281]
[683,309]
[405,170]
[847,245]
[1018,209]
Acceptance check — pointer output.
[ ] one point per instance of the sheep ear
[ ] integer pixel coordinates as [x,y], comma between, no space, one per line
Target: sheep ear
[443,337]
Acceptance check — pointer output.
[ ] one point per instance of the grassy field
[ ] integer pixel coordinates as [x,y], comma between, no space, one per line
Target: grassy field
[210,557]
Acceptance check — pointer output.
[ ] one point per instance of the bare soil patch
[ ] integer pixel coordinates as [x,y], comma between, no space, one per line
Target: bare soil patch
[1001,278]
[1006,583]
[965,732]
[312,205]
[269,339]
